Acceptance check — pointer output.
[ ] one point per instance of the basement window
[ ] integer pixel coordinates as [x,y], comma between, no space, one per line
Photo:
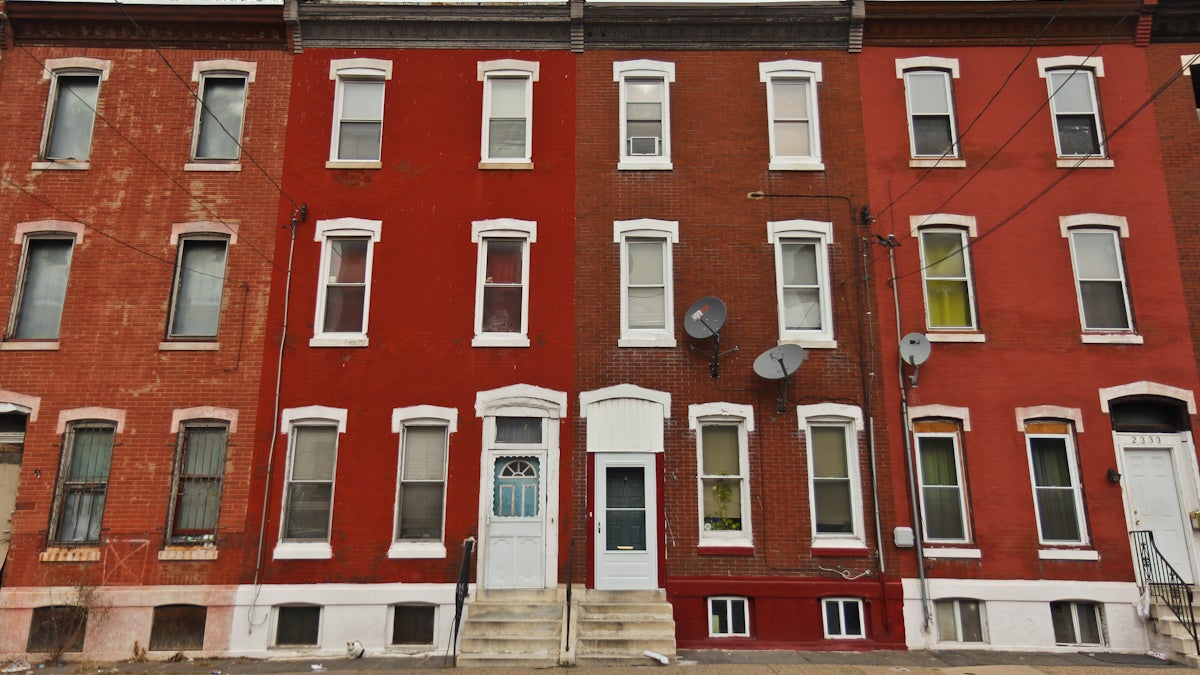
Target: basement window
[413,624]
[728,617]
[298,626]
[178,628]
[57,629]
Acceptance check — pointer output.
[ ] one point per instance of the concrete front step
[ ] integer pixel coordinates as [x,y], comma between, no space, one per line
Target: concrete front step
[507,660]
[490,628]
[608,660]
[514,612]
[615,626]
[510,644]
[626,645]
[588,609]
[513,628]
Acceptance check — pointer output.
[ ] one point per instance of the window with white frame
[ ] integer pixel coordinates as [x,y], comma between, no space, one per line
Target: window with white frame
[358,111]
[647,300]
[723,472]
[728,617]
[198,475]
[298,626]
[835,490]
[507,111]
[71,107]
[947,279]
[82,485]
[960,620]
[309,481]
[344,289]
[1100,281]
[794,130]
[41,288]
[421,479]
[802,281]
[929,96]
[220,109]
[1077,623]
[1054,472]
[502,282]
[645,114]
[940,473]
[843,618]
[1074,104]
[199,282]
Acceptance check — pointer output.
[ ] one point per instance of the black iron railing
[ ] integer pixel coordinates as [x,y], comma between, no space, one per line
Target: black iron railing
[460,594]
[1164,583]
[570,571]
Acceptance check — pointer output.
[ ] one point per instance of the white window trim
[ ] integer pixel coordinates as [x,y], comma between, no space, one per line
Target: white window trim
[37,229]
[1110,394]
[289,419]
[275,627]
[361,69]
[515,69]
[862,619]
[325,230]
[780,232]
[666,231]
[218,67]
[1075,415]
[51,68]
[502,228]
[745,615]
[741,416]
[931,64]
[797,70]
[1098,608]
[966,227]
[1096,222]
[958,628]
[227,415]
[1076,490]
[172,343]
[1095,66]
[421,415]
[919,413]
[850,418]
[964,513]
[646,68]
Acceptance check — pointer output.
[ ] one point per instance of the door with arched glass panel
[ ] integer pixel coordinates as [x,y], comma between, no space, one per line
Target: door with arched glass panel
[515,550]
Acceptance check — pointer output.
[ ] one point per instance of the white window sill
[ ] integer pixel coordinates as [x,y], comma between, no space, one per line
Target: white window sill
[819,543]
[809,343]
[353,164]
[1111,339]
[79,554]
[937,163]
[1081,163]
[796,165]
[294,550]
[630,165]
[511,166]
[416,549]
[960,553]
[338,341]
[189,346]
[62,165]
[188,553]
[646,341]
[214,166]
[708,540]
[956,337]
[1067,554]
[30,346]
[500,340]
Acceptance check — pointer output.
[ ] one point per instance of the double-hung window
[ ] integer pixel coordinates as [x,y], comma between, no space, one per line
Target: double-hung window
[645,113]
[1054,472]
[220,110]
[647,301]
[507,113]
[82,485]
[946,271]
[199,474]
[928,93]
[421,480]
[941,477]
[71,111]
[41,287]
[794,131]
[723,472]
[802,281]
[1100,283]
[344,288]
[199,282]
[835,491]
[358,112]
[308,484]
[1075,109]
[502,282]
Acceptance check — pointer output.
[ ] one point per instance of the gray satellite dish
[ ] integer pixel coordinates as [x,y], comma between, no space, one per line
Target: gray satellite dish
[778,362]
[705,317]
[914,349]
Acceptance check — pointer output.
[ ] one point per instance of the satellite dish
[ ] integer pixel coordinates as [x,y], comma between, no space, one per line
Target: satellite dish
[914,349]
[778,362]
[705,317]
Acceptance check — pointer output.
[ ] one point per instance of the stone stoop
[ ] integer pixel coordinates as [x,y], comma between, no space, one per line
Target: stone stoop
[614,628]
[1171,638]
[512,628]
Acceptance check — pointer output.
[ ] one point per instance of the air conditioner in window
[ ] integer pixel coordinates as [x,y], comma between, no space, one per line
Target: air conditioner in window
[645,146]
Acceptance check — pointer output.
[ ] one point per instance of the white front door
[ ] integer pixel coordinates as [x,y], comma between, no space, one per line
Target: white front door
[1153,495]
[516,523]
[626,538]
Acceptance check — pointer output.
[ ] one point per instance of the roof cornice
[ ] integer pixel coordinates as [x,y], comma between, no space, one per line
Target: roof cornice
[1000,22]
